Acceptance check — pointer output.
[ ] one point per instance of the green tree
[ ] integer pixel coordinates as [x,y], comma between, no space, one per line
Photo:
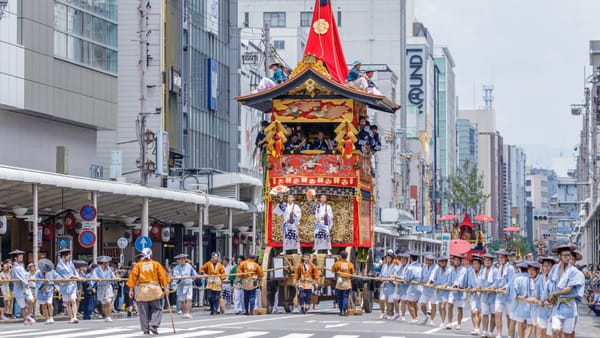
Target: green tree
[466,188]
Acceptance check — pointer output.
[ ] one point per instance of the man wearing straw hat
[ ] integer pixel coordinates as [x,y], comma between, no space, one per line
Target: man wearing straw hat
[45,289]
[214,283]
[185,290]
[505,273]
[428,294]
[66,270]
[21,289]
[413,293]
[566,282]
[152,282]
[104,290]
[488,299]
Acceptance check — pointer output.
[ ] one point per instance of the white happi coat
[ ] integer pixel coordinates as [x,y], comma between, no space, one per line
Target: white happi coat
[291,218]
[323,226]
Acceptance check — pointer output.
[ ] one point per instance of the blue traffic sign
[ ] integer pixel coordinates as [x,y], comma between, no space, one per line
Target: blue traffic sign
[87,212]
[143,242]
[87,238]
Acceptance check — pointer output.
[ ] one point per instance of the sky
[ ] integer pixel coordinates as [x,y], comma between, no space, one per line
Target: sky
[534,52]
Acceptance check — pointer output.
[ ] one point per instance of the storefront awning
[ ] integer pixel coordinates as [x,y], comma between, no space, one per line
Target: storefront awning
[116,200]
[386,231]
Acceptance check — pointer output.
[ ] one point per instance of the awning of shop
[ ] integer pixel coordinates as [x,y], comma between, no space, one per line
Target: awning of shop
[116,200]
[386,230]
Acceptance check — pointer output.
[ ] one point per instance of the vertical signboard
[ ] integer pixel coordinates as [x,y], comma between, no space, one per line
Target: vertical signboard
[416,85]
[162,153]
[212,84]
[212,16]
[445,249]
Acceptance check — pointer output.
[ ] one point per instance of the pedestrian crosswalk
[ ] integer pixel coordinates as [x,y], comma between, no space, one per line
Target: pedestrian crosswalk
[130,332]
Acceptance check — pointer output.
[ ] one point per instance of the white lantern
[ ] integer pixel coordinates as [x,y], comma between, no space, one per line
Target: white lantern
[188,224]
[165,234]
[3,225]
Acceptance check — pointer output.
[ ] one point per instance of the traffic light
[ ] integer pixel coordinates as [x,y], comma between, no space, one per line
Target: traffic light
[540,218]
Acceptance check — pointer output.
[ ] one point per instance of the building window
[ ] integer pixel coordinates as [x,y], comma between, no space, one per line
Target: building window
[274,19]
[339,18]
[305,19]
[246,19]
[85,33]
[279,44]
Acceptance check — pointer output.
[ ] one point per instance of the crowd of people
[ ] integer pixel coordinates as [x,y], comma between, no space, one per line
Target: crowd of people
[527,297]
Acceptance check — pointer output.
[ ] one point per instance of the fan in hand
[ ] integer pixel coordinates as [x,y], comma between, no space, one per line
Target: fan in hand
[310,194]
[280,189]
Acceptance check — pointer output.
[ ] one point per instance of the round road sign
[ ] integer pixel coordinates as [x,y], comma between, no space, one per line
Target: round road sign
[87,238]
[122,243]
[87,212]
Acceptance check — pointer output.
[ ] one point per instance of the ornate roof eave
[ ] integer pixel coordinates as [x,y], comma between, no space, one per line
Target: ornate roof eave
[263,100]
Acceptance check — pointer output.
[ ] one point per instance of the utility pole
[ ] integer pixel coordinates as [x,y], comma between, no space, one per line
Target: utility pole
[267,52]
[144,137]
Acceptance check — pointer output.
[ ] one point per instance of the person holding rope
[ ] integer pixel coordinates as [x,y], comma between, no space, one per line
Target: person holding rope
[533,269]
[306,277]
[21,289]
[565,283]
[519,311]
[226,292]
[214,283]
[412,275]
[185,290]
[343,268]
[45,289]
[505,274]
[457,297]
[152,282]
[388,288]
[488,280]
[251,273]
[238,291]
[104,288]
[428,298]
[401,288]
[544,325]
[473,281]
[441,279]
[66,270]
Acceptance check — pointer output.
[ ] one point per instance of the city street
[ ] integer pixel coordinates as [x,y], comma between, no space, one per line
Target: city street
[322,324]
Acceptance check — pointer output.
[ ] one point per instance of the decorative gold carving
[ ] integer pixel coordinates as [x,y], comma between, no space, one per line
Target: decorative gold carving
[311,88]
[321,26]
[313,62]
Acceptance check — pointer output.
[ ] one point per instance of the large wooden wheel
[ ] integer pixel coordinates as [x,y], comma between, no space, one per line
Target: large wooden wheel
[268,285]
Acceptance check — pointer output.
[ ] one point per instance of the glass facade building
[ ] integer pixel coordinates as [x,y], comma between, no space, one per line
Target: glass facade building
[210,82]
[466,140]
[85,33]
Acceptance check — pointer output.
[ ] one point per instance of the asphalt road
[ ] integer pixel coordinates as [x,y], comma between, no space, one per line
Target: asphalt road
[321,324]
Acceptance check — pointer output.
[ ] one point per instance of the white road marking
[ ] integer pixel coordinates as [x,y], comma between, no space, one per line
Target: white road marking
[392,337]
[372,322]
[311,321]
[344,336]
[298,335]
[268,319]
[20,332]
[86,333]
[336,325]
[443,328]
[246,334]
[36,333]
[193,334]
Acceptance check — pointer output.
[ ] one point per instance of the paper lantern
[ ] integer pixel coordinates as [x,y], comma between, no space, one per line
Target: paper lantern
[59,228]
[69,222]
[3,225]
[78,227]
[166,234]
[155,231]
[48,231]
[137,232]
